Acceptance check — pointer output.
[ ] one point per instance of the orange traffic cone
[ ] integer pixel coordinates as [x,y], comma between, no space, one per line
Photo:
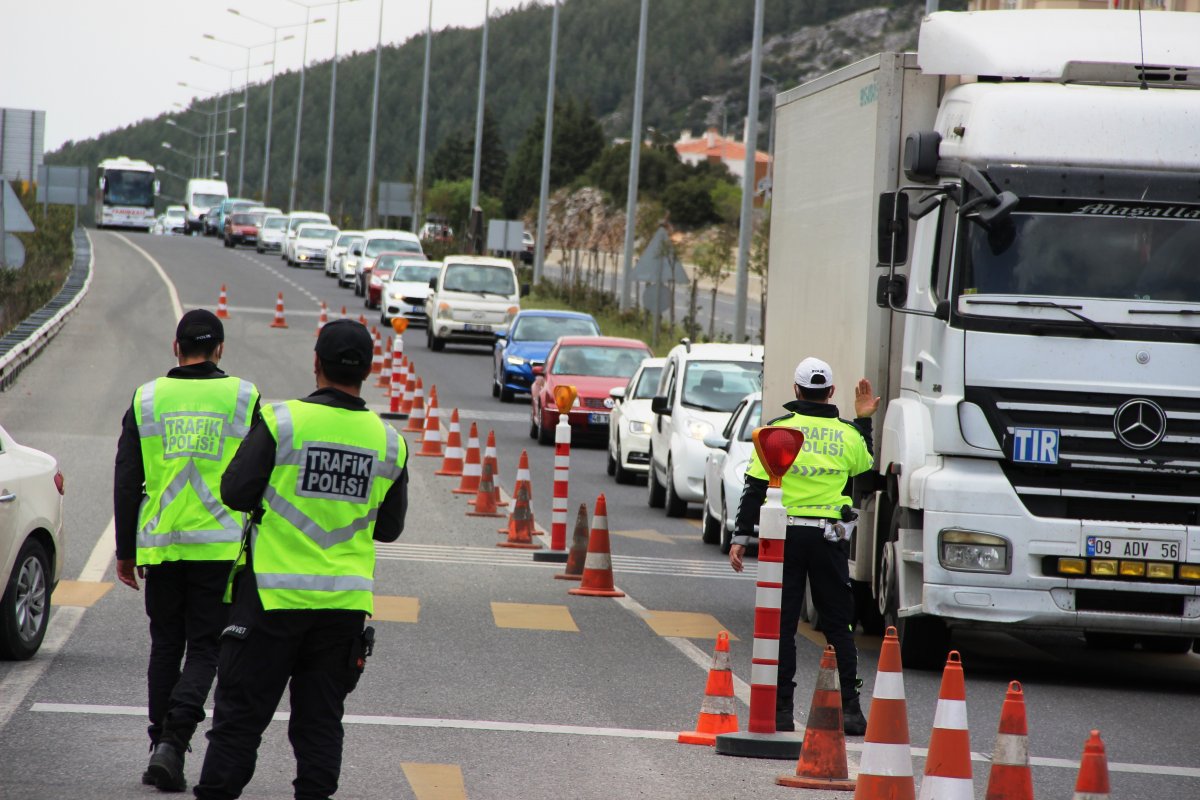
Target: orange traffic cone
[948,765]
[1092,783]
[520,522]
[717,714]
[452,464]
[431,444]
[578,552]
[377,355]
[222,307]
[410,390]
[472,466]
[484,499]
[416,417]
[279,321]
[597,565]
[823,763]
[385,374]
[489,454]
[322,318]
[522,481]
[1011,778]
[886,769]
[343,313]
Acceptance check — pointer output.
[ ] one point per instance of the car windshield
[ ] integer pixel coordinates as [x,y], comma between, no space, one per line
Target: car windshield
[647,384]
[233,208]
[344,240]
[720,385]
[415,273]
[480,278]
[547,329]
[175,212]
[376,246]
[206,200]
[275,223]
[324,234]
[750,422]
[243,219]
[598,361]
[296,222]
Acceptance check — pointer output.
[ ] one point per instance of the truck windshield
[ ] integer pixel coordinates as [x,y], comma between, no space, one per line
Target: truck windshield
[720,385]
[480,278]
[201,200]
[1087,249]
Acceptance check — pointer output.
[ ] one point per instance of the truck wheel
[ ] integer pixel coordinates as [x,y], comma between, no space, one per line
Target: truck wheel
[866,609]
[1166,644]
[25,605]
[923,639]
[676,506]
[656,495]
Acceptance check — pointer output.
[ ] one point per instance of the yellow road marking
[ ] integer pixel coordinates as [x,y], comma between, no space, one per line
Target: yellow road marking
[534,617]
[646,535]
[686,624]
[80,593]
[435,781]
[695,523]
[389,608]
[861,640]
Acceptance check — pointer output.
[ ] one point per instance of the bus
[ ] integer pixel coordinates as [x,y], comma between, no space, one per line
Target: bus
[125,192]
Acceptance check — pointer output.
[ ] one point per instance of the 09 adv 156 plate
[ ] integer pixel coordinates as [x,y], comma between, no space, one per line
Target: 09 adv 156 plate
[1120,547]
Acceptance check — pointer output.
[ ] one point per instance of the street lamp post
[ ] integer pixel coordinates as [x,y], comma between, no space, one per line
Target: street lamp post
[539,247]
[746,225]
[635,155]
[478,160]
[419,189]
[337,24]
[374,124]
[211,165]
[308,20]
[228,109]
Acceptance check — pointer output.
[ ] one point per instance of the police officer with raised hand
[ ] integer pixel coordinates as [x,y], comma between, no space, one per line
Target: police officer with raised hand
[323,477]
[820,519]
[175,532]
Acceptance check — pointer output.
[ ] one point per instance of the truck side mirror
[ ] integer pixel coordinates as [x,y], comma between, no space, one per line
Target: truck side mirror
[433,284]
[661,405]
[893,228]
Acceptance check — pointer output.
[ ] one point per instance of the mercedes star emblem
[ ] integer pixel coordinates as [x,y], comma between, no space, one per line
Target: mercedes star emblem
[1140,424]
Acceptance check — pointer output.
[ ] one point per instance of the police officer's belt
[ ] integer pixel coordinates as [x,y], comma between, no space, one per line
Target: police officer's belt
[808,522]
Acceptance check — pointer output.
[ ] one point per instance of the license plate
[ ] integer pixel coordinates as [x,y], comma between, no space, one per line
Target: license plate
[481,328]
[597,419]
[1119,547]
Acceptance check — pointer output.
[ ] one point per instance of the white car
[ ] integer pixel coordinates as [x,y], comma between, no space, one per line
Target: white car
[174,220]
[347,262]
[341,245]
[729,453]
[295,220]
[700,386]
[376,243]
[31,545]
[629,422]
[405,289]
[311,245]
[271,233]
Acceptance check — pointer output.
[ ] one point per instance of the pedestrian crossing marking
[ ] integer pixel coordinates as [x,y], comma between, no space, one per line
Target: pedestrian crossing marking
[645,535]
[435,781]
[80,593]
[685,624]
[390,608]
[533,617]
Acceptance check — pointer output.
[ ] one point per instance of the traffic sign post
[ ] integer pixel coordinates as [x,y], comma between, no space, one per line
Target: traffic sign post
[564,399]
[777,448]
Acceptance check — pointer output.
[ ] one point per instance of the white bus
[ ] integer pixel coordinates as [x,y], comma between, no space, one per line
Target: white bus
[125,192]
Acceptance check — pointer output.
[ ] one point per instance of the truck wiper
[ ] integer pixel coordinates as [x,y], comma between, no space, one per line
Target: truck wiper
[1182,312]
[1072,310]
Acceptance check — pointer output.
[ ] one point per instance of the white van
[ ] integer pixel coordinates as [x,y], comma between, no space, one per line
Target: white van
[200,195]
[295,220]
[471,300]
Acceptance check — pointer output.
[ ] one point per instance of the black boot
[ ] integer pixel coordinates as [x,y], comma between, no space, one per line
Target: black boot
[854,723]
[147,777]
[784,721]
[166,768]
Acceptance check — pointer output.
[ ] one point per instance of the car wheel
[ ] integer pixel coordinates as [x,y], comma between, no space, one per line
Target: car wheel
[533,429]
[656,495]
[676,506]
[436,343]
[25,607]
[506,394]
[726,534]
[711,527]
[610,466]
[258,250]
[545,433]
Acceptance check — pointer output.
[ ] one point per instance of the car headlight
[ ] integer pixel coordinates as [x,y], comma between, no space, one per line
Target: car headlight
[350,263]
[396,294]
[698,429]
[444,311]
[972,551]
[636,426]
[515,361]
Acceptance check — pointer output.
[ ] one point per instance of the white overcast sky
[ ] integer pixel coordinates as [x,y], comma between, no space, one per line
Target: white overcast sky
[95,65]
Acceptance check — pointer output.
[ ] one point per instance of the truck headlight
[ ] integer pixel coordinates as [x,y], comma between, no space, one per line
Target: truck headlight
[511,314]
[515,361]
[635,426]
[444,311]
[698,429]
[973,551]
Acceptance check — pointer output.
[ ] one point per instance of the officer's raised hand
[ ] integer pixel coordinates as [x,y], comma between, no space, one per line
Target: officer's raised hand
[865,404]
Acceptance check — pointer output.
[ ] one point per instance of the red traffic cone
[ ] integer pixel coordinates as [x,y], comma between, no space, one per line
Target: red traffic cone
[472,466]
[1011,777]
[823,763]
[279,321]
[948,765]
[1092,783]
[385,374]
[522,481]
[322,318]
[573,571]
[452,464]
[222,307]
[343,313]
[410,391]
[597,565]
[484,507]
[885,772]
[416,417]
[431,444]
[362,320]
[717,712]
[377,354]
[489,454]
[520,522]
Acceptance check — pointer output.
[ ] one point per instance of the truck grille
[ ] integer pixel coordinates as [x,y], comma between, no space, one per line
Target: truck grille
[1097,476]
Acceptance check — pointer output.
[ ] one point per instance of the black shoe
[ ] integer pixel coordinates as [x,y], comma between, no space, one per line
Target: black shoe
[166,768]
[148,778]
[853,721]
[784,722]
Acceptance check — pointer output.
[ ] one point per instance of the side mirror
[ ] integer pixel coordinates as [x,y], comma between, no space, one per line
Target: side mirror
[661,405]
[716,442]
[432,283]
[501,336]
[525,289]
[538,369]
[893,228]
[617,393]
[356,251]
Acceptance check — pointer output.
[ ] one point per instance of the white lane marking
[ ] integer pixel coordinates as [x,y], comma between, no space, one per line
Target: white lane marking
[162,273]
[468,415]
[583,730]
[271,311]
[22,675]
[102,553]
[282,277]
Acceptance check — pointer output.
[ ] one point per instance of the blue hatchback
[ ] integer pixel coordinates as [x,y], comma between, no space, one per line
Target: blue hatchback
[529,340]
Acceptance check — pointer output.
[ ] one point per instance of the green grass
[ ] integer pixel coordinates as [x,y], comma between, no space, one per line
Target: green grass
[613,322]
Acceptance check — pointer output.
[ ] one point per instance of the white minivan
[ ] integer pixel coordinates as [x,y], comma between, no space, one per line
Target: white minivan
[472,299]
[200,195]
[295,220]
[701,385]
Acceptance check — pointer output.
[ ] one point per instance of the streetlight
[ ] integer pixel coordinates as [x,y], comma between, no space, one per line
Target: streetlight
[375,124]
[477,163]
[746,224]
[228,107]
[211,167]
[199,137]
[161,168]
[275,29]
[635,156]
[539,252]
[419,189]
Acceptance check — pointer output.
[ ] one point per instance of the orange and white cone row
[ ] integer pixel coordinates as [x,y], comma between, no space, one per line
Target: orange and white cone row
[597,578]
[431,443]
[385,374]
[416,417]
[472,465]
[452,463]
[322,318]
[1011,778]
[885,771]
[410,391]
[948,765]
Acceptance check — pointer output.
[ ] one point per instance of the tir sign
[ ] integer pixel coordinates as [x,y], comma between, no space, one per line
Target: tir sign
[777,448]
[399,324]
[564,398]
[1035,445]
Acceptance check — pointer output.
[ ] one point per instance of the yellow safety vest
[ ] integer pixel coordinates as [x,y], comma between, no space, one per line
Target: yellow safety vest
[314,548]
[189,431]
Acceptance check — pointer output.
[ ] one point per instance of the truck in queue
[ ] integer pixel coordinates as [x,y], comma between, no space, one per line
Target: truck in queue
[1000,230]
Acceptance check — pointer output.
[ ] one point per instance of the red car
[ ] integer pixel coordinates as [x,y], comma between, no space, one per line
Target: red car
[380,272]
[594,365]
[241,228]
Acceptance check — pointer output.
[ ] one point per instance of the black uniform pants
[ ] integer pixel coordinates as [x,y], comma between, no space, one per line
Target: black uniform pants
[187,613]
[808,555]
[260,653]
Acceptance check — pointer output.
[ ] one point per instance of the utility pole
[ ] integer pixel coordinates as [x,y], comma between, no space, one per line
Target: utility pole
[245,110]
[299,116]
[337,24]
[228,123]
[635,155]
[374,122]
[270,113]
[475,169]
[746,227]
[539,251]
[419,187]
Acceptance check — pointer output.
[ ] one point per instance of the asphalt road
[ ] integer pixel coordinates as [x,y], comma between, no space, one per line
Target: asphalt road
[489,681]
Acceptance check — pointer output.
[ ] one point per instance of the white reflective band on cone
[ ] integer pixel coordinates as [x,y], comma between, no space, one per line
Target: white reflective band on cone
[951,714]
[489,452]
[885,759]
[1089,796]
[768,597]
[717,704]
[454,452]
[558,517]
[938,787]
[764,674]
[562,462]
[472,469]
[765,650]
[1011,750]
[770,572]
[599,522]
[523,475]
[888,686]
[600,561]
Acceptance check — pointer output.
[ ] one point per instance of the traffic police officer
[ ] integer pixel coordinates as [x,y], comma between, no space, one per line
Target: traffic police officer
[322,476]
[815,493]
[173,529]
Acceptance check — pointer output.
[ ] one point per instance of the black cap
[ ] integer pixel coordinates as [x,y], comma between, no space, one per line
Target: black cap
[345,342]
[201,327]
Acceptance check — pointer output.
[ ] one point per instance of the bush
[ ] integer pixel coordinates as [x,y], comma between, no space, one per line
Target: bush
[49,252]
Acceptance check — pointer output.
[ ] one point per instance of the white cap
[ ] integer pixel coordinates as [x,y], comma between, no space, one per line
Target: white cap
[813,373]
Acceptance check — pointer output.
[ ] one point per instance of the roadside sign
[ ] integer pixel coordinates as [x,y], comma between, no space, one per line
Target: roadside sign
[68,186]
[505,235]
[15,218]
[14,252]
[395,199]
[655,266]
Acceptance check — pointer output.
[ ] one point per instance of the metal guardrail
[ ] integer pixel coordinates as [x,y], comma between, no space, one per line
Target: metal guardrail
[22,344]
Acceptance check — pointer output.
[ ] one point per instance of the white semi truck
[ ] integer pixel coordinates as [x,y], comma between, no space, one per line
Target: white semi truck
[1002,231]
